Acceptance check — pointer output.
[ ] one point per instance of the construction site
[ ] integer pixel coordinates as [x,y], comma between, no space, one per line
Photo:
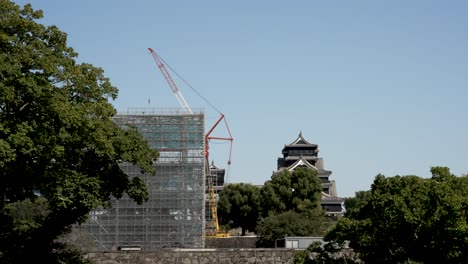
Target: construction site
[181,210]
[174,215]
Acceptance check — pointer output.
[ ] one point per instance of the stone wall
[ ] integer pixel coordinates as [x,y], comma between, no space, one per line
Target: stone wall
[231,242]
[195,256]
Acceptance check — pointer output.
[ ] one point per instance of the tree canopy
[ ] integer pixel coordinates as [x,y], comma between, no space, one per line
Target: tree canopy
[353,204]
[299,191]
[238,206]
[409,219]
[290,204]
[57,137]
[289,223]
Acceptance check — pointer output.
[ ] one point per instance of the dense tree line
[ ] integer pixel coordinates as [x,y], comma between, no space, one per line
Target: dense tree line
[286,205]
[402,219]
[59,148]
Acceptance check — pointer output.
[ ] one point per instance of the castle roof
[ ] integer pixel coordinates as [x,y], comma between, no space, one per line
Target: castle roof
[301,142]
[301,162]
[214,167]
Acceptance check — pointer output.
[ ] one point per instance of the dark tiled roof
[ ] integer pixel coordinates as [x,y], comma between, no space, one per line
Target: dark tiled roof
[298,157]
[300,141]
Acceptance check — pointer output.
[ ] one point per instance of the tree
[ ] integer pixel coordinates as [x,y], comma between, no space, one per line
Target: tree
[57,137]
[319,253]
[238,206]
[290,205]
[354,204]
[290,223]
[409,220]
[298,191]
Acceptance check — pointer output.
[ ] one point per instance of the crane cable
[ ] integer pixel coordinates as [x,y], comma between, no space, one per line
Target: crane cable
[208,102]
[190,86]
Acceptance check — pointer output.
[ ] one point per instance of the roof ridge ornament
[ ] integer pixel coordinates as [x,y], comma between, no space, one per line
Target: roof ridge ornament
[300,140]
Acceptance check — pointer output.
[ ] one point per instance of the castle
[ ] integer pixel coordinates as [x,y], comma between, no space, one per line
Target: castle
[303,153]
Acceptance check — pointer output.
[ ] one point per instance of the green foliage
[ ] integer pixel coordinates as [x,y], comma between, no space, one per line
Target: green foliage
[57,137]
[27,215]
[440,173]
[299,191]
[290,205]
[301,257]
[289,223]
[354,204]
[238,206]
[317,253]
[409,220]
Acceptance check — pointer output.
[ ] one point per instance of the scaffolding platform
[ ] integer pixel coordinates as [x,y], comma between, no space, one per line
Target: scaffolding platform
[174,215]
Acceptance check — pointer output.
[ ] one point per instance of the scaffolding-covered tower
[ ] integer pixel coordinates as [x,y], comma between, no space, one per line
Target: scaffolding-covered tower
[174,214]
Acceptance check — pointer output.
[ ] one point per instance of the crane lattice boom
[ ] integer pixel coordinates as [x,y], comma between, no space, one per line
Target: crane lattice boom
[171,82]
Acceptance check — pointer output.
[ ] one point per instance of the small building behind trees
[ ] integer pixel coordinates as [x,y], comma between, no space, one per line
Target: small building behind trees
[297,242]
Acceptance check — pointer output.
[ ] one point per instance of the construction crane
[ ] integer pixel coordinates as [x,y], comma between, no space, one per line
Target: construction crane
[214,214]
[171,82]
[217,232]
[208,137]
[212,199]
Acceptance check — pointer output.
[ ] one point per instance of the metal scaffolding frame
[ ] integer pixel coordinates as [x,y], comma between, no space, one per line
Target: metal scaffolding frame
[174,214]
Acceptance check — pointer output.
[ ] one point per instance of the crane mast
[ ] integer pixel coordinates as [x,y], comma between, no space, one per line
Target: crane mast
[171,82]
[216,231]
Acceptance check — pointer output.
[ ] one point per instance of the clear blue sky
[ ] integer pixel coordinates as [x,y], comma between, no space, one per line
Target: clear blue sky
[380,86]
